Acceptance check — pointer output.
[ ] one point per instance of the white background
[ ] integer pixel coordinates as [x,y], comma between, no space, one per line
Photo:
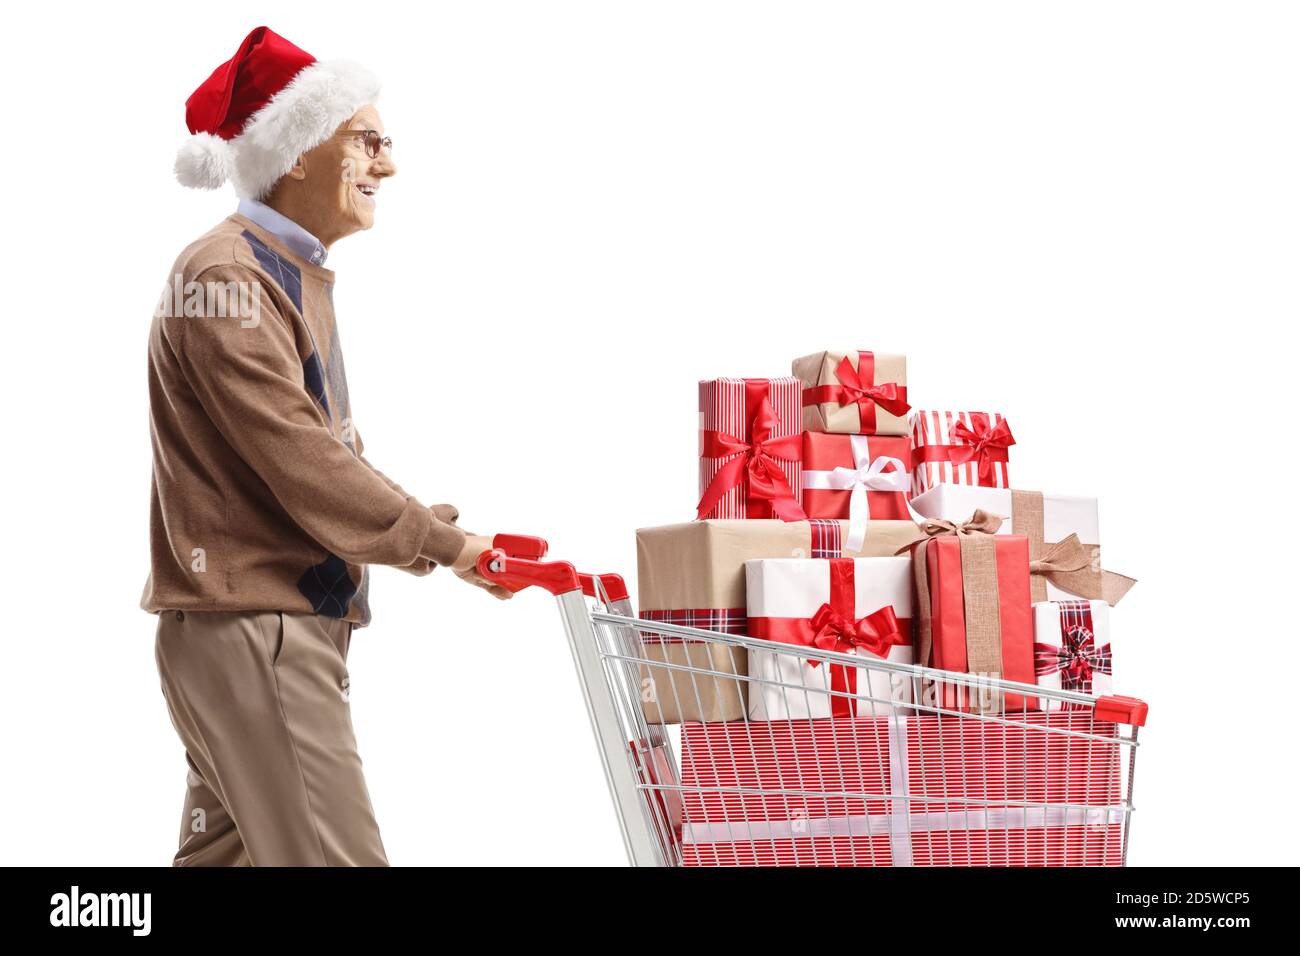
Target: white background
[1083,215]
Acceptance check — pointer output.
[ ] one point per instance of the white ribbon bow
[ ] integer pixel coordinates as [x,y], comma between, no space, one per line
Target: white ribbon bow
[867,475]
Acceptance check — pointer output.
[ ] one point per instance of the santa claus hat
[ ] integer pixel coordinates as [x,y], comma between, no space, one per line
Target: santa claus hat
[262,109]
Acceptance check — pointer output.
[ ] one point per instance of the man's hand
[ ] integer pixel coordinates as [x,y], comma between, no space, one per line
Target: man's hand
[465,565]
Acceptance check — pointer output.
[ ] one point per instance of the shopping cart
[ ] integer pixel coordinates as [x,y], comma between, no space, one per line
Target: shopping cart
[942,769]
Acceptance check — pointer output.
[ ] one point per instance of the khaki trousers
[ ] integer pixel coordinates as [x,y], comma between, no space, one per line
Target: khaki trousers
[260,700]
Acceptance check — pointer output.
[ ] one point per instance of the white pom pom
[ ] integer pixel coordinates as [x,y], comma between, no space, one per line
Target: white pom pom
[204,162]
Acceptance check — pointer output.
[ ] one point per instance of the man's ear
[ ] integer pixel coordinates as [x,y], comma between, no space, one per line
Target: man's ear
[298,171]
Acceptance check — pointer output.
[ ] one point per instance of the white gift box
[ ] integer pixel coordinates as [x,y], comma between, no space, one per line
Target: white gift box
[782,594]
[1063,515]
[1072,647]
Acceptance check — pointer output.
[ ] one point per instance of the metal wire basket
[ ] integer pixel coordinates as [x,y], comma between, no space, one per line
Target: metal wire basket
[912,767]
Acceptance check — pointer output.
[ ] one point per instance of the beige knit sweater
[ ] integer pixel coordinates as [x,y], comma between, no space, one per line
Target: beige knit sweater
[262,498]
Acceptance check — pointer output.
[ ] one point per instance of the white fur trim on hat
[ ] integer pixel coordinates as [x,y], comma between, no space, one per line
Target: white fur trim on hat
[204,161]
[297,119]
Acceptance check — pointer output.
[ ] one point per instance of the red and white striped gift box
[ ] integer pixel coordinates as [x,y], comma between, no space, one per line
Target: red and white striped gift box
[728,407]
[1066,792]
[919,791]
[935,442]
[773,793]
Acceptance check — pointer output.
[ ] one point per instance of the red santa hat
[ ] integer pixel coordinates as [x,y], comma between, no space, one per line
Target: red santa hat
[262,109]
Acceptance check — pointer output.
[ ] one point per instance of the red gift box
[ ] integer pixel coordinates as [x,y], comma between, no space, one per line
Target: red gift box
[749,448]
[980,619]
[858,477]
[922,791]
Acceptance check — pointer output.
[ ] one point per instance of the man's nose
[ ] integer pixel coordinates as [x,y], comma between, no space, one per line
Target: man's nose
[383,166]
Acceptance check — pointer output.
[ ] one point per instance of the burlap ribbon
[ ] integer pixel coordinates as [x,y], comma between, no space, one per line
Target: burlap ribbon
[1069,564]
[979,574]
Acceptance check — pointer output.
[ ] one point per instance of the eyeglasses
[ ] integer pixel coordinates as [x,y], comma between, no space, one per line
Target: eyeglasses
[373,141]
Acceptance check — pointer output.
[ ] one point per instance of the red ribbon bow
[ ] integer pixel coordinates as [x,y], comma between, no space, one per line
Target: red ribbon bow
[875,633]
[985,444]
[755,460]
[858,387]
[833,628]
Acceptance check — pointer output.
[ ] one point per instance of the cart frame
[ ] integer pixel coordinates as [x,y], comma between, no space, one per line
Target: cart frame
[608,644]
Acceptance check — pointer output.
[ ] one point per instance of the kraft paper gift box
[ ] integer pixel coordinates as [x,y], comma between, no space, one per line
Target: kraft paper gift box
[959,448]
[749,448]
[859,606]
[858,477]
[693,574]
[831,792]
[1060,569]
[853,393]
[1072,647]
[974,615]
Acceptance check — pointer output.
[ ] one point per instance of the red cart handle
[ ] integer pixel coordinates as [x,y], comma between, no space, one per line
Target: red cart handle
[1120,710]
[514,564]
[612,584]
[521,546]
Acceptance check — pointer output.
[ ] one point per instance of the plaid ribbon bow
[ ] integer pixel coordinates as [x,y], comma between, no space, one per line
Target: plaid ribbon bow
[1077,659]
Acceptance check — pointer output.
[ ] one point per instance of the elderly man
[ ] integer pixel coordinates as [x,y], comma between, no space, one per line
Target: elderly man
[265,511]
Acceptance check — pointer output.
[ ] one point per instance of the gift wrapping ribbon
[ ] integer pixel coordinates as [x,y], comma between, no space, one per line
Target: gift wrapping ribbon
[834,628]
[979,575]
[1079,656]
[726,620]
[969,819]
[1069,564]
[857,386]
[880,474]
[754,462]
[984,444]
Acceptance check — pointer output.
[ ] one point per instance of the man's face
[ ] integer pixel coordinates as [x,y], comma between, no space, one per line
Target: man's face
[343,179]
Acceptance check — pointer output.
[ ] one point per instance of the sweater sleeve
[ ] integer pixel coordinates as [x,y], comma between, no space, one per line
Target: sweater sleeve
[361,453]
[250,381]
[447,513]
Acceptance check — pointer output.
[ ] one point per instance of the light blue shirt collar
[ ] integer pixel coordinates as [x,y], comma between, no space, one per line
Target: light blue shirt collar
[285,229]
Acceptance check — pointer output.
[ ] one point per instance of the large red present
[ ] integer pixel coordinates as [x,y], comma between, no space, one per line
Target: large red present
[974,614]
[858,477]
[749,448]
[786,793]
[903,791]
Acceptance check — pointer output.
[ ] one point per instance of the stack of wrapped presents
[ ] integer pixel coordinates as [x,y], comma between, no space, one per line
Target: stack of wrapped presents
[835,515]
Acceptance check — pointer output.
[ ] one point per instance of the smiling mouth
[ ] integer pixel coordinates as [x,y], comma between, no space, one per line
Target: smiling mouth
[368,191]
